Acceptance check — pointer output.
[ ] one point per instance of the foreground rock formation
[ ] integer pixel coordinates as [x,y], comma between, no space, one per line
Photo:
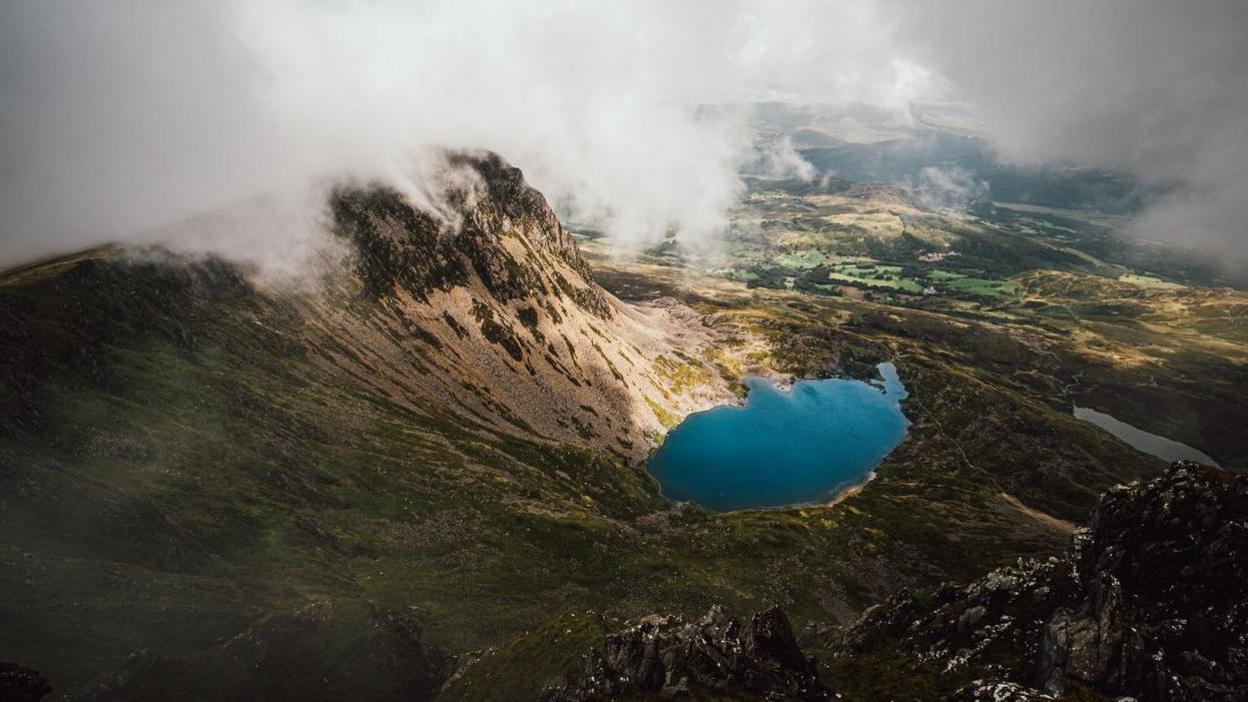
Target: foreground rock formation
[715,656]
[21,684]
[1150,602]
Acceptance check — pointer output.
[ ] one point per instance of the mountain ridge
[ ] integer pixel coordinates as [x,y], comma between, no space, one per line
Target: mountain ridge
[173,426]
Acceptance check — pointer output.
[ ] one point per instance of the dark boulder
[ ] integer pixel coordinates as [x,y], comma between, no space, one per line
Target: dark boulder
[1150,602]
[21,684]
[717,655]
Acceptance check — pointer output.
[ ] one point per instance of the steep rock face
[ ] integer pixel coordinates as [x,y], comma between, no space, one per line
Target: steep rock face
[717,656]
[1151,602]
[488,222]
[480,300]
[21,684]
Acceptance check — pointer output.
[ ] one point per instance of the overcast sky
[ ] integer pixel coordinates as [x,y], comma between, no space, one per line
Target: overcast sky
[125,115]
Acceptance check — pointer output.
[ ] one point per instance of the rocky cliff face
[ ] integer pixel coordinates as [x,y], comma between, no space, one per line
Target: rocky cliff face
[480,301]
[1150,602]
[487,223]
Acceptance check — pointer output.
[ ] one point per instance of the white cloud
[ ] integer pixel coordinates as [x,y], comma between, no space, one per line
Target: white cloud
[945,188]
[1153,87]
[778,159]
[126,115]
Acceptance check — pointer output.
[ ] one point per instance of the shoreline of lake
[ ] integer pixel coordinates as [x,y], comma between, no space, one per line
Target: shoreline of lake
[812,443]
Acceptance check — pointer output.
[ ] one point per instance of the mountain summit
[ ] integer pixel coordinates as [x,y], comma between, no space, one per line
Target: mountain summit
[458,390]
[490,309]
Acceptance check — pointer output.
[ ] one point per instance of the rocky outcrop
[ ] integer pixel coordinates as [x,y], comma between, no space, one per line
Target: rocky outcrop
[488,221]
[716,656]
[1150,602]
[21,684]
[474,297]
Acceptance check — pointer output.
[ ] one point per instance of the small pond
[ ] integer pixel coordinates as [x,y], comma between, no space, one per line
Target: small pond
[1140,440]
[806,444]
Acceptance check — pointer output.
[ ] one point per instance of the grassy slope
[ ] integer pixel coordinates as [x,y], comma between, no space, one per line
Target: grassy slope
[177,465]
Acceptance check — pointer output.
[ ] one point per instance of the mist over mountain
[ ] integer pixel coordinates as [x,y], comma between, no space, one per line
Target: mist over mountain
[126,116]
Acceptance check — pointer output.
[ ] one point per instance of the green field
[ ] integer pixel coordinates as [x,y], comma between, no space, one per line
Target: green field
[900,284]
[1148,281]
[943,276]
[983,288]
[800,259]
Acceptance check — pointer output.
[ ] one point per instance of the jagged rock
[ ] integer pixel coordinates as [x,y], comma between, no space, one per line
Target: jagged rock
[486,201]
[669,657]
[21,684]
[997,691]
[1150,602]
[477,298]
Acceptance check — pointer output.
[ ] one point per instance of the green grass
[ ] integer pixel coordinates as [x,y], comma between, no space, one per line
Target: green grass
[516,669]
[983,288]
[901,284]
[867,270]
[961,283]
[799,259]
[941,276]
[666,418]
[1148,281]
[681,373]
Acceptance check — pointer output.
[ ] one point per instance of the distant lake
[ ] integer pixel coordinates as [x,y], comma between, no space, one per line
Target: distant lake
[1140,440]
[784,447]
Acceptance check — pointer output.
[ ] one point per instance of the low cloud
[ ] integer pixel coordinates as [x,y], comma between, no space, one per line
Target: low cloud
[126,116]
[1152,87]
[779,160]
[945,189]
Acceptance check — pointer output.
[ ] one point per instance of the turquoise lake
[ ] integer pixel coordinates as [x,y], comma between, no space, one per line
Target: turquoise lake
[784,447]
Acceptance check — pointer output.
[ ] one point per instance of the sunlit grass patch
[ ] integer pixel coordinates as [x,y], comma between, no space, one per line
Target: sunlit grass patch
[800,259]
[982,287]
[1148,281]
